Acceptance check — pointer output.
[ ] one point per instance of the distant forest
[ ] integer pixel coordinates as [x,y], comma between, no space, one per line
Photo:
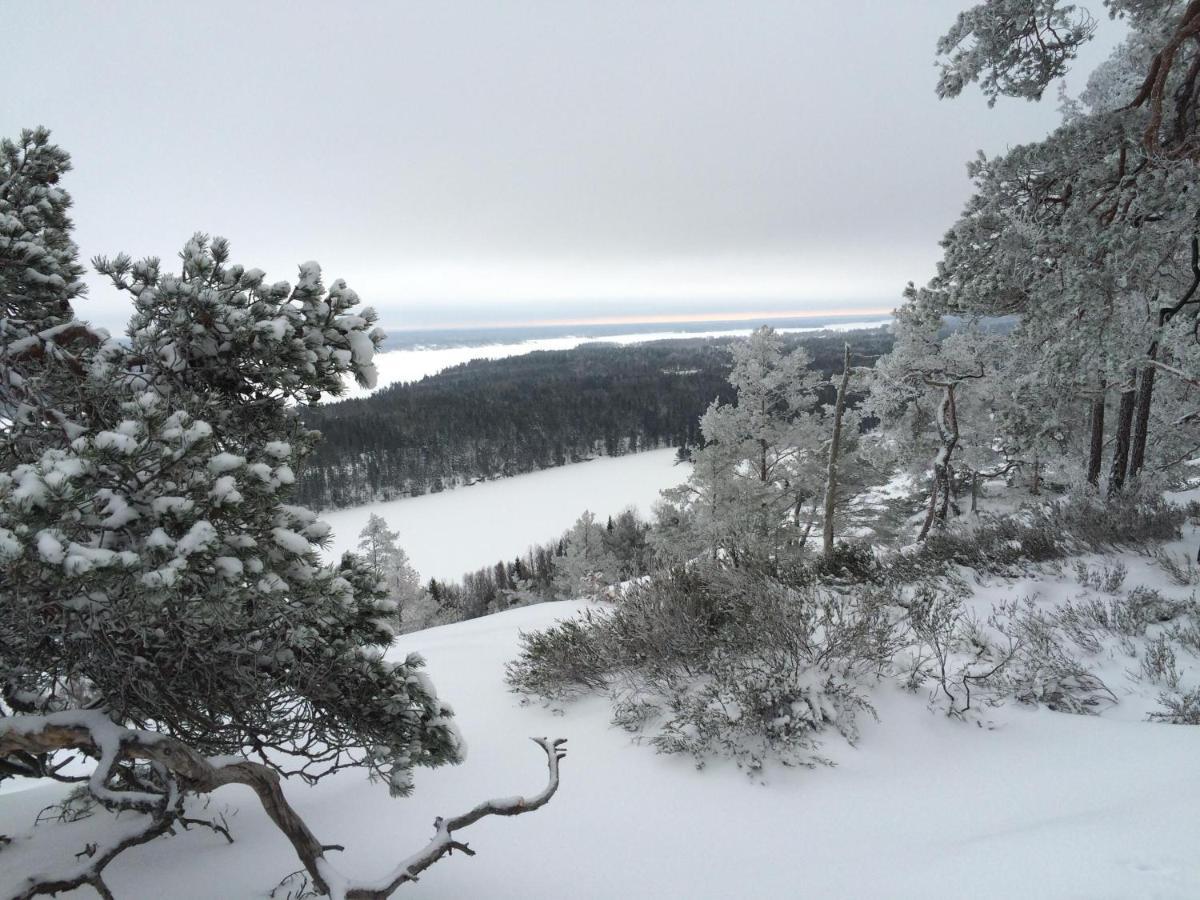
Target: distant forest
[494,418]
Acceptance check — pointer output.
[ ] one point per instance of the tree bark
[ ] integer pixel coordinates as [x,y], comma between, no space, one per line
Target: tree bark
[1096,454]
[1120,461]
[948,430]
[1141,424]
[831,473]
[933,499]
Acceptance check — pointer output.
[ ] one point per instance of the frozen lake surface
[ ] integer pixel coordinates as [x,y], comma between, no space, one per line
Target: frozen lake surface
[453,532]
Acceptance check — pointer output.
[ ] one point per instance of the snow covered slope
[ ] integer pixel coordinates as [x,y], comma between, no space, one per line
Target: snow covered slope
[1039,805]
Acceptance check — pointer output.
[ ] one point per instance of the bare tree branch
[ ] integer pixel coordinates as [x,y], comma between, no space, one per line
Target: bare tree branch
[180,770]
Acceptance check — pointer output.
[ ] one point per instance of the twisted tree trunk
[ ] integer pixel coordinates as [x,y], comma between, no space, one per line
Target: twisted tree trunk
[947,423]
[179,770]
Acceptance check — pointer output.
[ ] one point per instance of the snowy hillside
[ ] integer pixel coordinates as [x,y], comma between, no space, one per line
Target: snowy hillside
[1028,803]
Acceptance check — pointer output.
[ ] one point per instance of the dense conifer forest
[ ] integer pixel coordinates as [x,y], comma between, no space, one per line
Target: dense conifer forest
[495,418]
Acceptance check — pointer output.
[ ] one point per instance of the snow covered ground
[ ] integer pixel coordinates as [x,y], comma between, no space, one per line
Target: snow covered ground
[452,532]
[413,365]
[1020,802]
[1038,805]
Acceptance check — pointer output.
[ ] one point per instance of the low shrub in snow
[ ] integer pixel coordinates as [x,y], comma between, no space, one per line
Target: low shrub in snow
[1105,579]
[1132,518]
[992,544]
[1178,708]
[1180,570]
[1008,544]
[1043,667]
[722,662]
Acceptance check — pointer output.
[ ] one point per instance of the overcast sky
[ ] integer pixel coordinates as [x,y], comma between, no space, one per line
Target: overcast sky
[510,161]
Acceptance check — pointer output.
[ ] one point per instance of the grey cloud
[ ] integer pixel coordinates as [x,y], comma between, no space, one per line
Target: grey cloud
[423,151]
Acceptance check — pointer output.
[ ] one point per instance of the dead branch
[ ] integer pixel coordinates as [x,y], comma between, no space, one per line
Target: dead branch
[180,770]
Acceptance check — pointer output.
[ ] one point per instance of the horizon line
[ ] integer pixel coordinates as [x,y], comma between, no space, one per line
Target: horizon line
[658,319]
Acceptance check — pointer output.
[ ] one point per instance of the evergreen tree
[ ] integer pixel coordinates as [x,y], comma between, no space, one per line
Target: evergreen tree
[163,608]
[1087,239]
[153,566]
[389,563]
[587,565]
[758,466]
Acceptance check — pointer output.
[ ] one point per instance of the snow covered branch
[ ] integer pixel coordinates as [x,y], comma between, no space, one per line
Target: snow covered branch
[1178,373]
[178,770]
[443,841]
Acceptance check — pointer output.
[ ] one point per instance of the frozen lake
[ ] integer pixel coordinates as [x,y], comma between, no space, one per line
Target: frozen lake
[453,532]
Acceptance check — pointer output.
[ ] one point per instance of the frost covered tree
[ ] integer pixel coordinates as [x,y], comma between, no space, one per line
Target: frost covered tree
[1086,240]
[387,560]
[759,467]
[587,565]
[163,608]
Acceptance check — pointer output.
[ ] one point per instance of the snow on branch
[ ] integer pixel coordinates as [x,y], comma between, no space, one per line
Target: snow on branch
[1178,373]
[179,770]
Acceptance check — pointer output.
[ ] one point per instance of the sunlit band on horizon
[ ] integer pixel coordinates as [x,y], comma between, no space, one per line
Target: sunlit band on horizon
[660,319]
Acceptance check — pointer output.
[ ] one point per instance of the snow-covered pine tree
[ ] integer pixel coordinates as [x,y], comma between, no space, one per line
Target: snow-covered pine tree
[587,565]
[961,407]
[163,608]
[1089,238]
[386,559]
[40,340]
[759,467]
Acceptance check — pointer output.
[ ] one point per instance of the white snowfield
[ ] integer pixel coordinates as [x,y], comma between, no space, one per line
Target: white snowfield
[456,531]
[1039,805]
[395,366]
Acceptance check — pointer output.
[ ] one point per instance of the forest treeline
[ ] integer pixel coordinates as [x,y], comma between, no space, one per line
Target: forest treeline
[494,418]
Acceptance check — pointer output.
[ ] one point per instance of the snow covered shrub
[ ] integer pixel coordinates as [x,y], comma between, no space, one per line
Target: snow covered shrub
[1125,616]
[1178,708]
[1107,579]
[790,663]
[658,629]
[1004,544]
[1181,570]
[724,662]
[848,560]
[1023,652]
[1042,669]
[1131,518]
[754,713]
[946,648]
[999,544]
[1188,636]
[1159,664]
[564,660]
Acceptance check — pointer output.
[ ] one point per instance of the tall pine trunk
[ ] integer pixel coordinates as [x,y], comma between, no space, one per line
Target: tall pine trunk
[1096,454]
[1120,460]
[1141,423]
[831,473]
